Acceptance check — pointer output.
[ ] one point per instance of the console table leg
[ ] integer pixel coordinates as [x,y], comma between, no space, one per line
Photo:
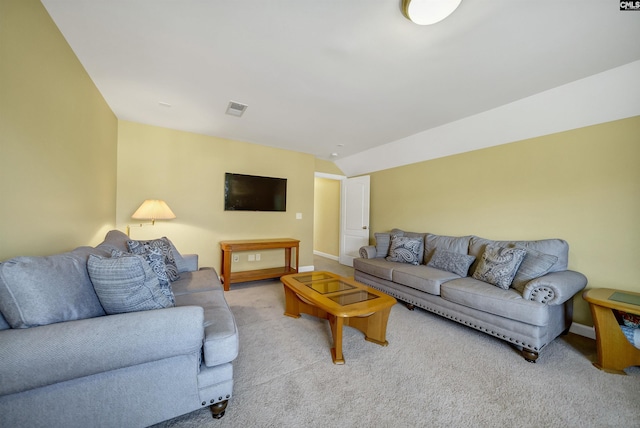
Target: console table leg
[226,269]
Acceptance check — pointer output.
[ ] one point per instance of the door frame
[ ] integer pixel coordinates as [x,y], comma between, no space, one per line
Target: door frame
[342,179]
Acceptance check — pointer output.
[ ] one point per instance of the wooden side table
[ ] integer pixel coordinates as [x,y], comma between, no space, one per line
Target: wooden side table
[228,247]
[615,353]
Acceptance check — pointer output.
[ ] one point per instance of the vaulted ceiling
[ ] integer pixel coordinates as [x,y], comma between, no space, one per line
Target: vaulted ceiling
[334,76]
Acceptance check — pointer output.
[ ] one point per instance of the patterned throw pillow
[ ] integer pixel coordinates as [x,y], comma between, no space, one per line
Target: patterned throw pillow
[141,247]
[155,259]
[498,265]
[451,262]
[405,250]
[126,284]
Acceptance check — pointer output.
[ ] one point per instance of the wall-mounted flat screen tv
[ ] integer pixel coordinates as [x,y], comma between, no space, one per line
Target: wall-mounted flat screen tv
[253,193]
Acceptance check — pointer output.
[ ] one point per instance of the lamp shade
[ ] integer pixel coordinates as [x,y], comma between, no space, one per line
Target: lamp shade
[154,209]
[427,12]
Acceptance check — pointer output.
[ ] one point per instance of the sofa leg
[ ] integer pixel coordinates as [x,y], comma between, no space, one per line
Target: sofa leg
[410,306]
[217,410]
[529,355]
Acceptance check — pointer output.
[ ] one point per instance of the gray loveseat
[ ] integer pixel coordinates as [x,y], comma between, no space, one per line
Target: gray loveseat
[449,278]
[65,363]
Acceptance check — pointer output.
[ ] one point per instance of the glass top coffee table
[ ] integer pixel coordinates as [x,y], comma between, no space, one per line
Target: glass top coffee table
[342,301]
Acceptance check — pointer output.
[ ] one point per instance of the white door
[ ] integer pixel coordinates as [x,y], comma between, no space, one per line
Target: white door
[354,218]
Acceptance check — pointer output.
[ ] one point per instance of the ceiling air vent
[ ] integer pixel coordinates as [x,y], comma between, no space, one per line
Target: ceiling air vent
[236,109]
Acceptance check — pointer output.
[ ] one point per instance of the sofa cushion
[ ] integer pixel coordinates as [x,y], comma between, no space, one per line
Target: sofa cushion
[205,279]
[499,265]
[405,250]
[451,262]
[44,290]
[380,268]
[485,297]
[534,265]
[114,240]
[164,245]
[554,247]
[422,277]
[126,284]
[383,242]
[182,264]
[220,330]
[4,325]
[455,244]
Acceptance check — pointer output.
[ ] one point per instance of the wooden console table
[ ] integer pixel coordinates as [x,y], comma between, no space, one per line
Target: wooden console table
[228,247]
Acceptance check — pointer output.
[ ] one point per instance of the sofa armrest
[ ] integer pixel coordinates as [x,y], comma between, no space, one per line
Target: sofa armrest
[45,355]
[368,252]
[555,288]
[190,262]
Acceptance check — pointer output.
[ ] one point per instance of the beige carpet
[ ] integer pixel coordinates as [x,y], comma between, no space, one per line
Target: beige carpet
[434,373]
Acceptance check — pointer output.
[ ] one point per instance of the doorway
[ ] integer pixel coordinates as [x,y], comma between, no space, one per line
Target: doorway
[341,216]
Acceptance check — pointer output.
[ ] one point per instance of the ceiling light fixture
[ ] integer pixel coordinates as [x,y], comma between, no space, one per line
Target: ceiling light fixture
[427,12]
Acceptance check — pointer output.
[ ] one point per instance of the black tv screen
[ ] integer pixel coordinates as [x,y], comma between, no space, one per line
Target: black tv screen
[253,193]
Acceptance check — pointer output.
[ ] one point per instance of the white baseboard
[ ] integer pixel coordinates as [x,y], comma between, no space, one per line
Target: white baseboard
[306,268]
[325,255]
[583,330]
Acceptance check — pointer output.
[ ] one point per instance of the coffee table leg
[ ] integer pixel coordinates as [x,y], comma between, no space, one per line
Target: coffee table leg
[291,308]
[336,331]
[376,331]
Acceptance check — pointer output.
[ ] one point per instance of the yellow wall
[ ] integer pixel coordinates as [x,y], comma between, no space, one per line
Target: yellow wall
[58,176]
[326,226]
[187,171]
[58,139]
[581,185]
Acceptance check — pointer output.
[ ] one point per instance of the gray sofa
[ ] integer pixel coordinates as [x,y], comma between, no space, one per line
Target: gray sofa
[450,274]
[65,363]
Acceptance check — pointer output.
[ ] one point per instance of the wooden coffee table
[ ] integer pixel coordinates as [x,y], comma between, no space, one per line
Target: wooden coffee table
[342,301]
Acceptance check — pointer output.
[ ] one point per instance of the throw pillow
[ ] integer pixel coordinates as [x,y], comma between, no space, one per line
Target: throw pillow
[405,250]
[383,243]
[154,257]
[140,247]
[126,284]
[45,290]
[534,265]
[181,264]
[451,262]
[498,265]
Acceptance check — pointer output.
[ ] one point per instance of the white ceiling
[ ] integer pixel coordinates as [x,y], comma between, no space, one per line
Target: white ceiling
[345,76]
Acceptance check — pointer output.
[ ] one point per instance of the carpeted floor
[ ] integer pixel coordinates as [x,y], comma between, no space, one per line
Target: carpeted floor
[434,373]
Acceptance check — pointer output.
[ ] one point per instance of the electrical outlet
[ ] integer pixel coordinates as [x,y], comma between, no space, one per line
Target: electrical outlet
[252,258]
[236,258]
[257,257]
